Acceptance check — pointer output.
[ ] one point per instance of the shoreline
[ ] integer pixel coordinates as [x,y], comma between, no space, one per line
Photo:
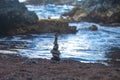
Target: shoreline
[114,25]
[15,67]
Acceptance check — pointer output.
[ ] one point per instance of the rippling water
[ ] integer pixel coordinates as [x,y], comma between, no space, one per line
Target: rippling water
[85,46]
[50,10]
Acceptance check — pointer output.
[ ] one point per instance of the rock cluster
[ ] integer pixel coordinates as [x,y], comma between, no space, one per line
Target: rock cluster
[55,52]
[16,19]
[45,26]
[99,11]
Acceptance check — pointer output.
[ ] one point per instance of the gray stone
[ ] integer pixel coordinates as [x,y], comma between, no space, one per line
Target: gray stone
[14,14]
[55,52]
[93,28]
[4,57]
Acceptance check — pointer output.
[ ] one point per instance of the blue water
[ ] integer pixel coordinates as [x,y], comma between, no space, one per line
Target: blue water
[50,10]
[84,46]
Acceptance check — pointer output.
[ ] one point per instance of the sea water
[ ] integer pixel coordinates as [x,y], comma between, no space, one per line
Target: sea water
[84,46]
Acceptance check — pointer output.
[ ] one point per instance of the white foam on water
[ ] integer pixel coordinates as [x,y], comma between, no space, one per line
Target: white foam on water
[85,46]
[50,10]
[8,52]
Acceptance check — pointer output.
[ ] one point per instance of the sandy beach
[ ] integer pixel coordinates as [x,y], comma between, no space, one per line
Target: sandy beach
[14,67]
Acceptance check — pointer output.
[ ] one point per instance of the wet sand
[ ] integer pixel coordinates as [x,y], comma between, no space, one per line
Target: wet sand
[14,67]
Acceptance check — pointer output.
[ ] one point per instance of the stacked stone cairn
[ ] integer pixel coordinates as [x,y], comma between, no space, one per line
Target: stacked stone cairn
[55,52]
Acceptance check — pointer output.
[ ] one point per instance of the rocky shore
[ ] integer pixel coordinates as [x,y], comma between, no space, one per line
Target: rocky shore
[14,15]
[45,26]
[104,12]
[15,67]
[16,19]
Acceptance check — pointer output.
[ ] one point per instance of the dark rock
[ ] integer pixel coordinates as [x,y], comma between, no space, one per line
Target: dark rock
[31,61]
[46,26]
[52,26]
[4,57]
[118,69]
[13,15]
[29,79]
[16,19]
[93,28]
[55,52]
[56,55]
[98,11]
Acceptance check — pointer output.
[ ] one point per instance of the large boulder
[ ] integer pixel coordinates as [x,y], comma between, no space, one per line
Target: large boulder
[93,28]
[13,15]
[46,26]
[53,25]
